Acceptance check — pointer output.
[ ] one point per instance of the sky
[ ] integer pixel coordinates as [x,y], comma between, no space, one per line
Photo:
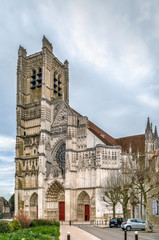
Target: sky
[113,53]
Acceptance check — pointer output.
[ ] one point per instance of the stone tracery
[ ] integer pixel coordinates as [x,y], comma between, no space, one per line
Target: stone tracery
[55,193]
[60,157]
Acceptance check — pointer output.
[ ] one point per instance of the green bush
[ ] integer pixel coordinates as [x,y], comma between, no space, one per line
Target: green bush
[56,223]
[15,224]
[38,222]
[41,222]
[5,227]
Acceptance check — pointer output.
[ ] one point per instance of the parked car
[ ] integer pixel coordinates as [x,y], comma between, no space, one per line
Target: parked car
[115,222]
[133,223]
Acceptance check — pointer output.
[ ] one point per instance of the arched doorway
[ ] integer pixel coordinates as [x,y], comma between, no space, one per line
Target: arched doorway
[34,206]
[83,207]
[55,202]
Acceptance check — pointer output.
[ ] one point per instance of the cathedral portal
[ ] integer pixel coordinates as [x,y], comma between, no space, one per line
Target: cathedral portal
[83,207]
[55,202]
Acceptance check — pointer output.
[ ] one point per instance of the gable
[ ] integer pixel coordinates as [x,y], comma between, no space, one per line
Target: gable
[62,114]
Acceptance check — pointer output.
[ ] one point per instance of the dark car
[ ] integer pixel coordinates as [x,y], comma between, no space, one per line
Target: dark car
[115,222]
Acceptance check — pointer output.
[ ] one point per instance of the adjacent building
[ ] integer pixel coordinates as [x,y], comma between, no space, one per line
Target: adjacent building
[4,208]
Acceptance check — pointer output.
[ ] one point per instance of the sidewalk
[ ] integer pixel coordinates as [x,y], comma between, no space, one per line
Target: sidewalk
[75,233]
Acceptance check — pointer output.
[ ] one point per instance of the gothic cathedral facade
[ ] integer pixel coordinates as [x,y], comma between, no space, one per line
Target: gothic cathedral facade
[61,157]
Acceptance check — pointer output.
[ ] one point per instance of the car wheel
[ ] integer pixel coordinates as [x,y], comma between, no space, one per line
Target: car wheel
[128,228]
[119,226]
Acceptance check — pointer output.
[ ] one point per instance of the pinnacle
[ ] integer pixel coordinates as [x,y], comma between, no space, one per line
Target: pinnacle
[155,132]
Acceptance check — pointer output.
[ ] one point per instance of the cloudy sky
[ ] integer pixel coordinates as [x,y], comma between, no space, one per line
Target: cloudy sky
[113,53]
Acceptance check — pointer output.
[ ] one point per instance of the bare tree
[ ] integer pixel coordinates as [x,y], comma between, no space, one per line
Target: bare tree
[124,196]
[146,180]
[109,192]
[126,185]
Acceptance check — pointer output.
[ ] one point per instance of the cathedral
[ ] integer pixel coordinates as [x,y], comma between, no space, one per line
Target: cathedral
[62,158]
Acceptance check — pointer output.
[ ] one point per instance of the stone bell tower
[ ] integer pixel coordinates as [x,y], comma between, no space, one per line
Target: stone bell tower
[41,79]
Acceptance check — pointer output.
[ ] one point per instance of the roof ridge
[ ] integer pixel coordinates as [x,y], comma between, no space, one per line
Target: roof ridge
[131,136]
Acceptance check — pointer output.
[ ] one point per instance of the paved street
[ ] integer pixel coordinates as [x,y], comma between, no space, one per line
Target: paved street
[117,234]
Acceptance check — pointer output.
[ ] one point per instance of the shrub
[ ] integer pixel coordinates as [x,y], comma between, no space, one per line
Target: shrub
[5,227]
[56,223]
[38,222]
[41,222]
[15,224]
[24,221]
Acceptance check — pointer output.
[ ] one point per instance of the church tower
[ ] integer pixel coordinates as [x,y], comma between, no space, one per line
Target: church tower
[41,80]
[62,158]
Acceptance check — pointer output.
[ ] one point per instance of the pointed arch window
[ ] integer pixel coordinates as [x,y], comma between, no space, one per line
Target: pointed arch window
[60,157]
[33,79]
[39,80]
[55,173]
[57,85]
[36,79]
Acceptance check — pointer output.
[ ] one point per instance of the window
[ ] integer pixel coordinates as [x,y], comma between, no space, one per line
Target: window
[36,81]
[140,221]
[39,80]
[157,202]
[33,80]
[153,207]
[143,208]
[55,174]
[133,220]
[60,157]
[57,85]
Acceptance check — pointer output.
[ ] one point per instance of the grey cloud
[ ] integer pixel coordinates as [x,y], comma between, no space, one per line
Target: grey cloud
[112,48]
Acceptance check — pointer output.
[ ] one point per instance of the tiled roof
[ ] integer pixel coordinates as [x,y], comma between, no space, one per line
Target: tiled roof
[137,143]
[103,136]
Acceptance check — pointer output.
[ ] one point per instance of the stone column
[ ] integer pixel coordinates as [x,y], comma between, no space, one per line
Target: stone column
[67,205]
[16,203]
